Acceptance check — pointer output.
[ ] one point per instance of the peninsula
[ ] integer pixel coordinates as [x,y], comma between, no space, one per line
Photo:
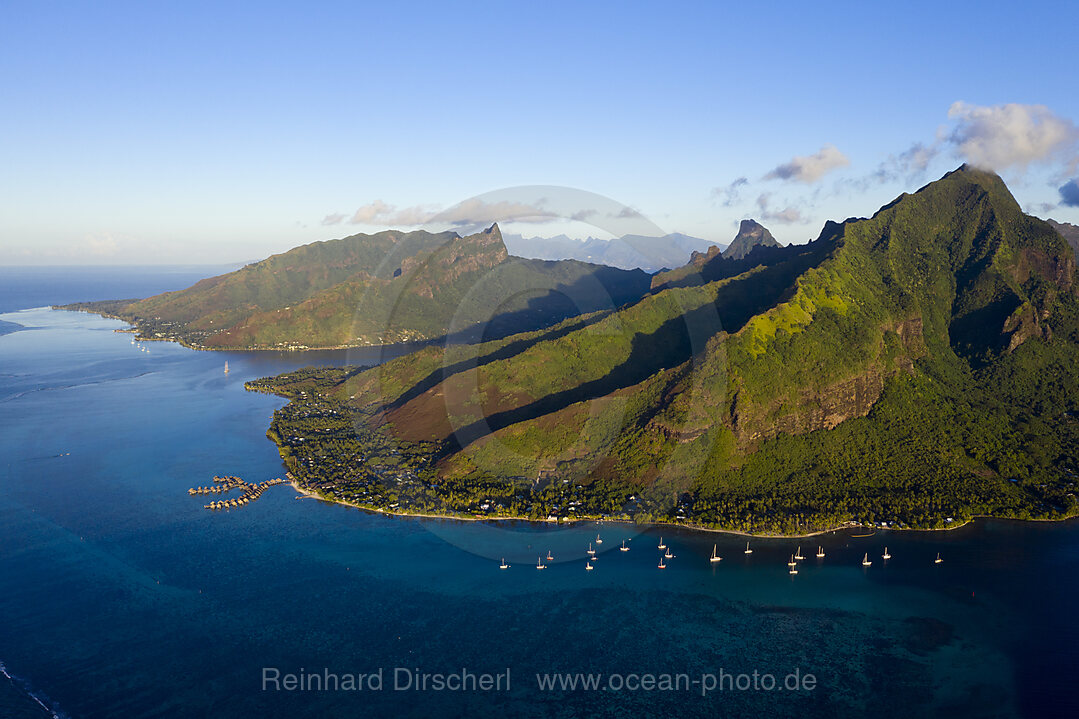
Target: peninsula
[387,288]
[913,369]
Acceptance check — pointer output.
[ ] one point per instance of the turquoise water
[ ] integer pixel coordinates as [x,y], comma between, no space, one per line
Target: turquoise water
[121,596]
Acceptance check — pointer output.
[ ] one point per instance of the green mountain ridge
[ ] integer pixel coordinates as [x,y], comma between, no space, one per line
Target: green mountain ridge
[385,288]
[911,367]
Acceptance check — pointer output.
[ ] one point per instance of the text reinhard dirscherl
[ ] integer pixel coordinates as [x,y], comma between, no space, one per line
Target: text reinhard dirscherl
[404,679]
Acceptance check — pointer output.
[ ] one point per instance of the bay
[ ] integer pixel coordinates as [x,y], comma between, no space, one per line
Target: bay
[121,596]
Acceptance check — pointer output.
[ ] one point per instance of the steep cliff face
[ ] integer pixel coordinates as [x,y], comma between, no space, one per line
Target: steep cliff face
[955,267]
[699,259]
[751,235]
[753,246]
[912,366]
[825,407]
[725,354]
[814,409]
[1024,324]
[427,271]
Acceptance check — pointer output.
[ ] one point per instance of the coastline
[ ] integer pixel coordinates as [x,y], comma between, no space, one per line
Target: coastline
[690,527]
[389,513]
[133,328]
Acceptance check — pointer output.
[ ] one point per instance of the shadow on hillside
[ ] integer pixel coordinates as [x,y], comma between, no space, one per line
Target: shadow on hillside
[742,298]
[511,349]
[797,257]
[673,344]
[603,288]
[596,295]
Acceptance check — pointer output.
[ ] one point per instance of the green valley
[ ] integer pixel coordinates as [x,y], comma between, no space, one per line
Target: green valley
[915,368]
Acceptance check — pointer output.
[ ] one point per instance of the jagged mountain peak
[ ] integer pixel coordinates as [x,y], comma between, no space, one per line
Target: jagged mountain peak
[937,325]
[751,234]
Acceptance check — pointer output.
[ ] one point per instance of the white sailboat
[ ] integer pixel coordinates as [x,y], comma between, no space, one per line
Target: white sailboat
[792,563]
[793,569]
[668,555]
[588,566]
[798,554]
[820,552]
[503,565]
[885,556]
[226,366]
[715,557]
[624,548]
[938,560]
[748,550]
[661,544]
[591,551]
[598,540]
[540,564]
[865,560]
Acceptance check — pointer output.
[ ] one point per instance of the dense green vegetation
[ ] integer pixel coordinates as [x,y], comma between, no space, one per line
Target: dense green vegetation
[925,454]
[915,368]
[331,449]
[932,448]
[386,288]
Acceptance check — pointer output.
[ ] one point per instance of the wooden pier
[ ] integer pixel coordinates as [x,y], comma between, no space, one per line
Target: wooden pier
[251,492]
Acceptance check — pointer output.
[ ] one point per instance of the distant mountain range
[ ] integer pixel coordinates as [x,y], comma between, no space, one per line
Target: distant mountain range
[628,252]
[393,287]
[916,368]
[1068,232]
[386,288]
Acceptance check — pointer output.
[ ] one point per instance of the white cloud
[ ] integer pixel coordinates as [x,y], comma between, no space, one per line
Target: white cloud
[412,215]
[372,213]
[469,212]
[917,157]
[914,160]
[906,166]
[478,212]
[810,168]
[786,216]
[730,194]
[1011,136]
[334,219]
[383,213]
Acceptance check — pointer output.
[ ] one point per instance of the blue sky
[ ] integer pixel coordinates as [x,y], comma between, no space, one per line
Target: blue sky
[217,132]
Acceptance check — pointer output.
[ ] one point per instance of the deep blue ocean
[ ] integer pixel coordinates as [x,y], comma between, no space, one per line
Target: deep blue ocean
[120,596]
